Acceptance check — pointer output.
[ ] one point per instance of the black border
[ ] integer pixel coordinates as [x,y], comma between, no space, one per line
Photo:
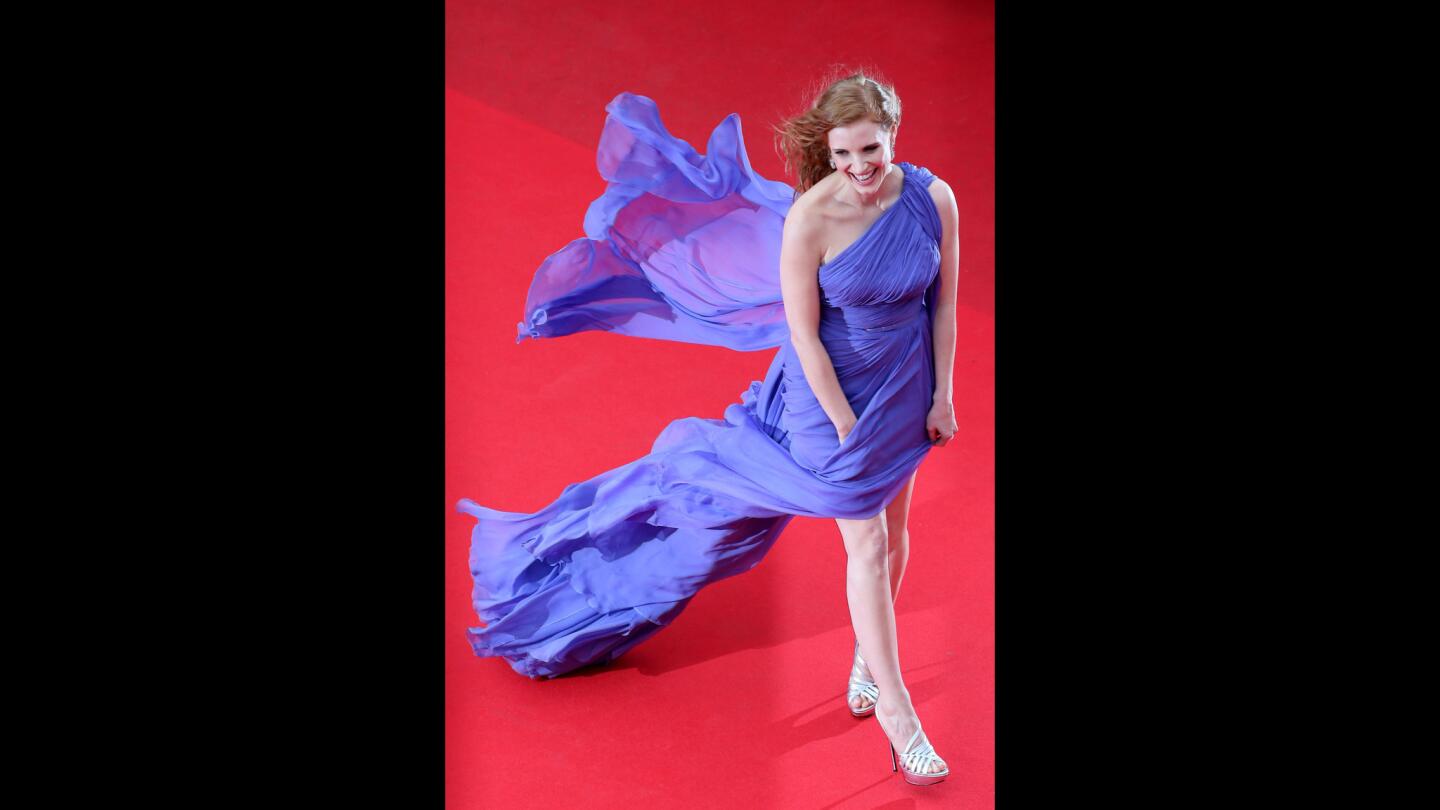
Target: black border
[1111,613]
[302,653]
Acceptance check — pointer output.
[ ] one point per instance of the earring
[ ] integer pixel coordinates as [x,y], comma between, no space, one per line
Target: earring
[832,164]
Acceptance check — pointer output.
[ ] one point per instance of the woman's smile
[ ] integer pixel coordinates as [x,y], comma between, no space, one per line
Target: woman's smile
[865,179]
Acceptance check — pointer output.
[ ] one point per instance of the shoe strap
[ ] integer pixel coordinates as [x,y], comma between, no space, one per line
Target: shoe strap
[859,685]
[917,760]
[857,678]
[863,688]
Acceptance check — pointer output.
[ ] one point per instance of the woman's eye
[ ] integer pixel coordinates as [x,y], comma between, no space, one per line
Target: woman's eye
[869,149]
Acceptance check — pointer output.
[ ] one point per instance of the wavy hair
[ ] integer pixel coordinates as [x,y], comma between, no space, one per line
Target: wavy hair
[801,140]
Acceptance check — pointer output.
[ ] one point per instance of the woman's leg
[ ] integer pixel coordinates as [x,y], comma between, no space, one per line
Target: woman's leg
[867,589]
[897,514]
[897,517]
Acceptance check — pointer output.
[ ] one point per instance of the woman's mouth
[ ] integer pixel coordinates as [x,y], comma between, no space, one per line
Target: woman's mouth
[863,179]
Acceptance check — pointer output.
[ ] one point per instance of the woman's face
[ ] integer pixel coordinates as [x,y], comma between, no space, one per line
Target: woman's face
[862,151]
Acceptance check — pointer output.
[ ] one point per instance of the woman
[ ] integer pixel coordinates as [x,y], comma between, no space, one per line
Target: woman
[852,275]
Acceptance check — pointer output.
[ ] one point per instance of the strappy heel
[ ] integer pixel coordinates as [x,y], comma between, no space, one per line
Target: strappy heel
[860,687]
[917,757]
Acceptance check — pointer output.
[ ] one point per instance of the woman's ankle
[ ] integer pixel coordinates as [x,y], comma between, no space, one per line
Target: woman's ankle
[895,705]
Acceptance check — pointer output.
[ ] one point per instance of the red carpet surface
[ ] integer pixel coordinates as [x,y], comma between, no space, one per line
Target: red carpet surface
[740,702]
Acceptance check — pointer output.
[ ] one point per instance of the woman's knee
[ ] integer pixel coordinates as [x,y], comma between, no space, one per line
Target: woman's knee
[866,541]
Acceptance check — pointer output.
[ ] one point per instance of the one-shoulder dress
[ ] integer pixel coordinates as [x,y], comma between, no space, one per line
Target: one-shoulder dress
[685,247]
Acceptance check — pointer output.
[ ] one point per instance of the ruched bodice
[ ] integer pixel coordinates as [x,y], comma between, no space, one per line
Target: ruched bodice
[685,247]
[895,259]
[876,296]
[836,320]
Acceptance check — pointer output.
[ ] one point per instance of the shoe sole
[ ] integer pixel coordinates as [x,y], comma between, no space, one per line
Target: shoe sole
[923,780]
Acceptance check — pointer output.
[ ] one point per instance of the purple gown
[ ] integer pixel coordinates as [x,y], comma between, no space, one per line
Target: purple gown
[683,246]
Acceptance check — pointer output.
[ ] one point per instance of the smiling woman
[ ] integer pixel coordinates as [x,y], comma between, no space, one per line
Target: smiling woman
[870,300]
[852,274]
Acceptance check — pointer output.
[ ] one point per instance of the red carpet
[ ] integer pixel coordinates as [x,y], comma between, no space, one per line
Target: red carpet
[739,703]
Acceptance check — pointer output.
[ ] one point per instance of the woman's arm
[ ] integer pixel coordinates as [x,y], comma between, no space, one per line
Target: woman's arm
[940,424]
[800,255]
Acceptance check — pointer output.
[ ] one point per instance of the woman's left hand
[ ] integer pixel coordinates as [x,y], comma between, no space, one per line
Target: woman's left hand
[940,424]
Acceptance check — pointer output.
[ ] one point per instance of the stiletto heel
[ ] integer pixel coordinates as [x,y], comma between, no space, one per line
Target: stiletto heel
[917,757]
[860,687]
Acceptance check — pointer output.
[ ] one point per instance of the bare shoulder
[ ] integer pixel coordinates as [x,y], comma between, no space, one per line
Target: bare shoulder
[807,213]
[943,196]
[817,197]
[816,208]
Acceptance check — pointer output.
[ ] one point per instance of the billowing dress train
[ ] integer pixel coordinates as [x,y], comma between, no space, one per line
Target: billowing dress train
[683,246]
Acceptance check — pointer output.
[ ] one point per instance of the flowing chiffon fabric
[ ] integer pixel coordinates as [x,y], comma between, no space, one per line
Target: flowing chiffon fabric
[685,247]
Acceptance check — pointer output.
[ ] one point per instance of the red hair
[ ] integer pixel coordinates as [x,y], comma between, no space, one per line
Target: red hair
[801,140]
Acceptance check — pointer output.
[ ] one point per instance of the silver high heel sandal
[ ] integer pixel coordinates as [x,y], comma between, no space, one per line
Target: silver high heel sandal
[860,687]
[916,761]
